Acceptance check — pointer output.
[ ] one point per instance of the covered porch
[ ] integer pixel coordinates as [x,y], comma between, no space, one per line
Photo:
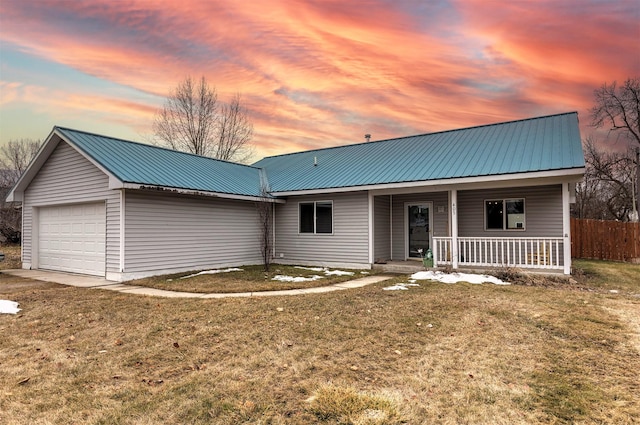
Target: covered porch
[456,226]
[526,253]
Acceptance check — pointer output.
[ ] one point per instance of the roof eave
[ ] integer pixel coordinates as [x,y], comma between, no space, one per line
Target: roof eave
[16,194]
[570,175]
[183,191]
[51,142]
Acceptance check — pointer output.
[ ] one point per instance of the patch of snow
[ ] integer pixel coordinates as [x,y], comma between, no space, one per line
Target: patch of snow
[313,269]
[364,272]
[337,273]
[613,291]
[9,307]
[215,271]
[400,287]
[285,278]
[327,272]
[457,277]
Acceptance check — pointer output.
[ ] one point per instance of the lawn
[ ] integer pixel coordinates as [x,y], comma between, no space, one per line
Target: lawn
[250,279]
[436,353]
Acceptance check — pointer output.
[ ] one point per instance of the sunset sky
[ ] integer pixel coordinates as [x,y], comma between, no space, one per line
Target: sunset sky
[312,73]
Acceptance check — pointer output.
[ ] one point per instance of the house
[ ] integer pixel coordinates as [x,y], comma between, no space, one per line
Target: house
[485,196]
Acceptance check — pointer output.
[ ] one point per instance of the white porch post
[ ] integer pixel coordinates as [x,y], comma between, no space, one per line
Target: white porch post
[454,228]
[371,259]
[391,227]
[566,228]
[122,232]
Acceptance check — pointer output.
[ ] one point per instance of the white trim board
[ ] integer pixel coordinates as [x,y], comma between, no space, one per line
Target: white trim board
[538,178]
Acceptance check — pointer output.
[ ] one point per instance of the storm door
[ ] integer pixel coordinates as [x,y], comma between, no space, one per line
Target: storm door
[418,228]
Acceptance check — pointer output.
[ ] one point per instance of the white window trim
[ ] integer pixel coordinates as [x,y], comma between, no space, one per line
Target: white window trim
[504,214]
[315,218]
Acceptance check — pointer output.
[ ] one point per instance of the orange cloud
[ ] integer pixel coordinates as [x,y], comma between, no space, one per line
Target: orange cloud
[324,73]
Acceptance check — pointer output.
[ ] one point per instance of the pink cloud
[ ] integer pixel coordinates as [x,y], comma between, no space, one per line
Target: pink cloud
[324,73]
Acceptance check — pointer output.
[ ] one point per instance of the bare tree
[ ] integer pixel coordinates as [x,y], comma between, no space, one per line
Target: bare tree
[15,157]
[187,121]
[193,120]
[265,220]
[619,108]
[234,131]
[606,192]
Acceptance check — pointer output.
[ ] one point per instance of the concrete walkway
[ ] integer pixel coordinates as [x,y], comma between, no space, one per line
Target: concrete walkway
[83,281]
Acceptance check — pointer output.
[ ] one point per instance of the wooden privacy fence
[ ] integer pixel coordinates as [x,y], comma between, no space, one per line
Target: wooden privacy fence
[605,240]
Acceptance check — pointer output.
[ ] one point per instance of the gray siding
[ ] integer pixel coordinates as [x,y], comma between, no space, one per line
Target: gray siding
[67,177]
[167,232]
[349,243]
[543,211]
[382,228]
[440,219]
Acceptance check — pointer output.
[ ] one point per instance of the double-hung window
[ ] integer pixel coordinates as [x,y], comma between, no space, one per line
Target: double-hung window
[504,214]
[316,217]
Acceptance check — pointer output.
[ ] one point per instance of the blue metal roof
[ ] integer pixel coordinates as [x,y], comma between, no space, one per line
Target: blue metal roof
[142,164]
[524,146]
[529,145]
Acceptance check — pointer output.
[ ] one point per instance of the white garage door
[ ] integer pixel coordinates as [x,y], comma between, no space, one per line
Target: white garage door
[72,238]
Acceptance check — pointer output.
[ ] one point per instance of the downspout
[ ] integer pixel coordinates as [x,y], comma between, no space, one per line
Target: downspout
[391,227]
[273,230]
[371,241]
[22,234]
[566,229]
[122,230]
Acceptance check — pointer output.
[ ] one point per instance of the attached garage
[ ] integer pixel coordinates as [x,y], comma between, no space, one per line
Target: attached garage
[72,238]
[122,210]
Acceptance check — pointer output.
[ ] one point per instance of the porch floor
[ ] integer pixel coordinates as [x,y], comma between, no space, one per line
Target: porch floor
[401,267]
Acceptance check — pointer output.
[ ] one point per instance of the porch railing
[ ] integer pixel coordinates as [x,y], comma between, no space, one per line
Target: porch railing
[543,253]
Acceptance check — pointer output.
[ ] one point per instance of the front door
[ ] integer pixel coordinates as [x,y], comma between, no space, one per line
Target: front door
[418,229]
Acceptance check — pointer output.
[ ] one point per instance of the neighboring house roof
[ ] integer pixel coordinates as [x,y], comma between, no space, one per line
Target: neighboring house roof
[524,146]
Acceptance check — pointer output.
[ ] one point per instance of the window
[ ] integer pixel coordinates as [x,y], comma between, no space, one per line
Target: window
[515,213]
[316,217]
[306,218]
[504,214]
[324,217]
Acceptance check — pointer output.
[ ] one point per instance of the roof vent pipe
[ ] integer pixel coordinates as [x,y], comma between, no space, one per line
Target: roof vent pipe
[367,137]
[315,161]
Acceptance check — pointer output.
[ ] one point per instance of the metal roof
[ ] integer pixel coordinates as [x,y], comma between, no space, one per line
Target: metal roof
[524,146]
[142,164]
[530,145]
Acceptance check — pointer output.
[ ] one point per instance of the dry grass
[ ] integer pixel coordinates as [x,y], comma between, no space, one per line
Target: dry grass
[437,353]
[587,275]
[11,257]
[608,275]
[250,279]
